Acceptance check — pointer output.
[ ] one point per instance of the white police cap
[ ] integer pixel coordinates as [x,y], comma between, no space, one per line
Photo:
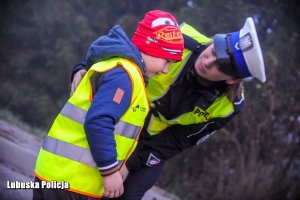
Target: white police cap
[239,53]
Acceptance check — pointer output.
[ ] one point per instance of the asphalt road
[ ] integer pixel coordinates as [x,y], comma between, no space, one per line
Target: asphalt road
[17,159]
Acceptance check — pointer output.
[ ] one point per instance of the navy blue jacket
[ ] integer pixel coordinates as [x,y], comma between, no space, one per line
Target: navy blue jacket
[104,113]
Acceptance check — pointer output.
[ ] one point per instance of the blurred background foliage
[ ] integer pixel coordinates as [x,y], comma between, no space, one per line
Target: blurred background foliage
[255,157]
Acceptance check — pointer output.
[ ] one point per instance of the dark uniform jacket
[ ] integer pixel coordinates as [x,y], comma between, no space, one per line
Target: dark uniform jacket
[183,96]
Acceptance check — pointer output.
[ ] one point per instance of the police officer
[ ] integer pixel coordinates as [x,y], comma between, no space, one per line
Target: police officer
[199,96]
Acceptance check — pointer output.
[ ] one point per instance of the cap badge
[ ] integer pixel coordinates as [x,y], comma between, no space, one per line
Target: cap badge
[245,43]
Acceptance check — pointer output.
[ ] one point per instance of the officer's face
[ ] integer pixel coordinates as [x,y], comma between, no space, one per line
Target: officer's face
[206,66]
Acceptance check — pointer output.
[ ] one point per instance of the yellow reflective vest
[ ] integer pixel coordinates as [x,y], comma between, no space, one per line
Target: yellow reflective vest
[159,86]
[65,154]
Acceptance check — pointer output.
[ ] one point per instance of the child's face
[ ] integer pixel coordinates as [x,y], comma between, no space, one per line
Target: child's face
[156,65]
[207,67]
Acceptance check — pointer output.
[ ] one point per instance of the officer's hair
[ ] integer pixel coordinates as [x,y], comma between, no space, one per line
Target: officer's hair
[234,91]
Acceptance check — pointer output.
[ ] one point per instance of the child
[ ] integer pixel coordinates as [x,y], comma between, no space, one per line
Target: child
[98,127]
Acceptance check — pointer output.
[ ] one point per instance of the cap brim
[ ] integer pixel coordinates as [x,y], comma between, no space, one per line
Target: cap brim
[255,66]
[220,46]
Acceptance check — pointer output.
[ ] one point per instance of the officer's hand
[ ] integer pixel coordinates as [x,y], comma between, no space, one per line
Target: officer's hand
[76,80]
[124,172]
[113,185]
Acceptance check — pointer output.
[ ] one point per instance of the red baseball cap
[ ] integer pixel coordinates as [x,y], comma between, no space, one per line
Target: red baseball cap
[159,35]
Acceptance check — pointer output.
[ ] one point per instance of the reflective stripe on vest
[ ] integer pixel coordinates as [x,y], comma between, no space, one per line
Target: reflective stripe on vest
[78,114]
[69,151]
[73,112]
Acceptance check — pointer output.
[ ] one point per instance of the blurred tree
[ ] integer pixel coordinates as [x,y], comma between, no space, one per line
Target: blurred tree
[42,40]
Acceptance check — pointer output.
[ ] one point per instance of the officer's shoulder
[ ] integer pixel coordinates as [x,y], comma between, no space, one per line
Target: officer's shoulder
[239,103]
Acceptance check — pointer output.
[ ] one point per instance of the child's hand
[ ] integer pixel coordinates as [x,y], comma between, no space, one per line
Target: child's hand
[113,185]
